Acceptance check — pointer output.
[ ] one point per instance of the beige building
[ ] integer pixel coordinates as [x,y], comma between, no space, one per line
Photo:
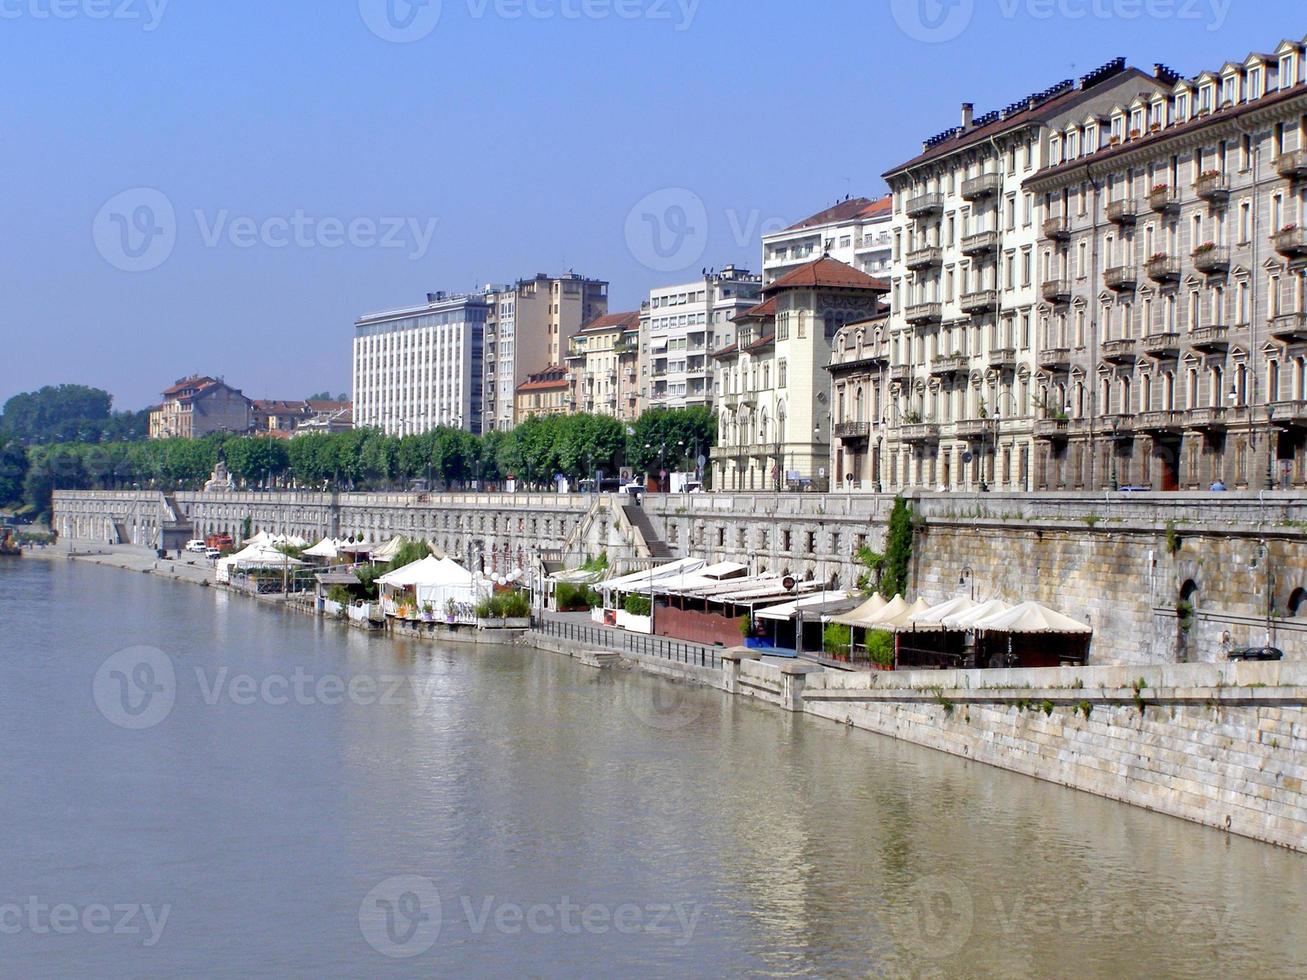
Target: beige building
[530,326]
[1172,330]
[604,363]
[860,381]
[547,392]
[772,387]
[199,406]
[965,294]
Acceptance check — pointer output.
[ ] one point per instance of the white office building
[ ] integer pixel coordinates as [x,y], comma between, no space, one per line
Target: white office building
[855,231]
[421,368]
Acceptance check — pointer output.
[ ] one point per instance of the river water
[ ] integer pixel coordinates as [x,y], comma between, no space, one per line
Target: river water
[194,784]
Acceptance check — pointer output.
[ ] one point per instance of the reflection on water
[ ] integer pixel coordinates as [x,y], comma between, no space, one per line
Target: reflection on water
[316,801]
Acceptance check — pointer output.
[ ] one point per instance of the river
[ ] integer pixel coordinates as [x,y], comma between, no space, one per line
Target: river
[195,784]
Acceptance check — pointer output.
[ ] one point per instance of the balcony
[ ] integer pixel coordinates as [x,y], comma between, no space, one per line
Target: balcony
[1163,268]
[1162,345]
[1205,419]
[1057,229]
[1123,212]
[920,432]
[1122,426]
[1210,339]
[1291,413]
[972,428]
[1056,291]
[1292,165]
[1120,351]
[901,374]
[978,188]
[924,205]
[1290,241]
[1003,359]
[1055,358]
[950,364]
[1158,422]
[1121,278]
[924,258]
[981,243]
[1289,327]
[1211,259]
[1163,199]
[1213,188]
[981,301]
[853,431]
[920,314]
[1052,430]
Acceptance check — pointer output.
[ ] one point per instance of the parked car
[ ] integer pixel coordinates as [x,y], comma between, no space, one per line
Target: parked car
[197,546]
[213,554]
[1257,653]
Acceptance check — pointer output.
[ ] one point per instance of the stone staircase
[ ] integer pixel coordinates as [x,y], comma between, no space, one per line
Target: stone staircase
[121,533]
[638,519]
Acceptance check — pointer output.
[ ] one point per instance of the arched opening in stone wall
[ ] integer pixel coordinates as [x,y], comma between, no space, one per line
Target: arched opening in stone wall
[1298,602]
[1186,615]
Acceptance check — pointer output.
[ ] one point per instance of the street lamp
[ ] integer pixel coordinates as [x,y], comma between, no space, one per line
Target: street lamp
[968,576]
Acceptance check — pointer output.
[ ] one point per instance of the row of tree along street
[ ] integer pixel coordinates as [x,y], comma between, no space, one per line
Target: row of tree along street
[576,446]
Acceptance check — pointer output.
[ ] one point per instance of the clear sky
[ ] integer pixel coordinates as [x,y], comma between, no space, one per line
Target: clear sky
[223,186]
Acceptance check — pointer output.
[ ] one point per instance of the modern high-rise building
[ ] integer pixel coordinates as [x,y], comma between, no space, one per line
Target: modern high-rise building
[420,368]
[855,231]
[529,328]
[965,293]
[680,327]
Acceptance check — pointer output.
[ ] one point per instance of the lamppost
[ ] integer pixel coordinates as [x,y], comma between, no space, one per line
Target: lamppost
[780,447]
[968,577]
[1116,431]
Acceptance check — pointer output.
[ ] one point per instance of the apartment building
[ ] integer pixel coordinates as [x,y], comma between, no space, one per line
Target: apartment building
[529,328]
[855,231]
[1172,330]
[289,415]
[420,368]
[543,393]
[199,406]
[773,390]
[964,289]
[680,326]
[604,364]
[860,379]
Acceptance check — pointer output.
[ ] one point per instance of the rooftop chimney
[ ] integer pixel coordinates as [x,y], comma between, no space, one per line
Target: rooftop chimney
[968,114]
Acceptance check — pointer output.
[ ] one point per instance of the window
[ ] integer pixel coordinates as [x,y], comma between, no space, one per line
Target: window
[1182,107]
[781,373]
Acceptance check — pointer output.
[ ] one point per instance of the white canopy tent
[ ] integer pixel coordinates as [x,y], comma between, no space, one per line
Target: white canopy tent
[968,618]
[1031,617]
[255,556]
[326,548]
[864,612]
[933,618]
[902,621]
[435,581]
[887,610]
[389,551]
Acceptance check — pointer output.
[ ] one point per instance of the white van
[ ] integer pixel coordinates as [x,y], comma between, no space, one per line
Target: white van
[197,546]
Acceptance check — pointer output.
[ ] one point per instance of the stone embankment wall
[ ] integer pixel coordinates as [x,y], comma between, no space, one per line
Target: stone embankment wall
[1121,562]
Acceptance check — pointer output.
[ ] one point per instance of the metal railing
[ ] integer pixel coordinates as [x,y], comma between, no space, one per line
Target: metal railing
[620,641]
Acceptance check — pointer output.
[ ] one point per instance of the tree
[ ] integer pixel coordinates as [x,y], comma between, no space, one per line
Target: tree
[13,470]
[69,413]
[256,459]
[897,569]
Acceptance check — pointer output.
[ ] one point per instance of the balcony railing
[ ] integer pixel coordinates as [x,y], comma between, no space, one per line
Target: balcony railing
[981,243]
[972,428]
[1213,337]
[1289,412]
[901,373]
[1213,188]
[1210,259]
[1121,278]
[1289,327]
[1057,228]
[1205,419]
[925,204]
[922,313]
[1292,165]
[924,258]
[981,301]
[1055,358]
[852,431]
[1163,199]
[1119,351]
[1163,268]
[1290,241]
[950,364]
[1158,422]
[920,432]
[1003,359]
[1162,345]
[1051,429]
[1123,212]
[1056,291]
[983,186]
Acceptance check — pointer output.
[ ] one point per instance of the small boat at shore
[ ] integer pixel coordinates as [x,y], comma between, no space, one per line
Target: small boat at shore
[9,545]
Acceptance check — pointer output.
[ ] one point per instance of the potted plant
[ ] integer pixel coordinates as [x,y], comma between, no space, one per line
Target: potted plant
[451,611]
[1204,248]
[880,647]
[428,613]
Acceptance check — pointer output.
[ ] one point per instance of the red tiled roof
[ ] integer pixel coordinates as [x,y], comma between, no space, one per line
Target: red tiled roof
[845,210]
[726,352]
[276,405]
[561,384]
[331,406]
[554,377]
[185,383]
[762,311]
[877,208]
[1026,117]
[762,343]
[827,273]
[613,321]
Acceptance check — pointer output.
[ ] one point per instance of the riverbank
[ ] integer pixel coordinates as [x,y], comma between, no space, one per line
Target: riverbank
[1223,745]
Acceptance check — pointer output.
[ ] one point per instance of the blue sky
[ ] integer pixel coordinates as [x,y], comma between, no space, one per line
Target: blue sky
[273,169]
